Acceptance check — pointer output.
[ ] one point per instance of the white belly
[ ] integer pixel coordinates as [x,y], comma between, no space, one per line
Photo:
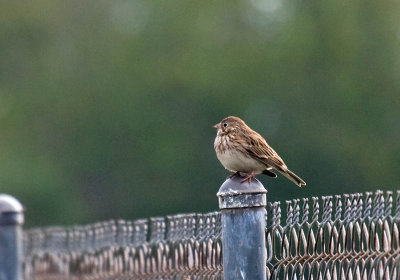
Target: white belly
[236,161]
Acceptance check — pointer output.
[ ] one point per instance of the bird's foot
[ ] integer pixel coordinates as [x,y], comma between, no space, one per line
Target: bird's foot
[233,175]
[248,178]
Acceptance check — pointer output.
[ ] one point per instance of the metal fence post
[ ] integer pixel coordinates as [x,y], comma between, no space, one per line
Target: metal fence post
[243,229]
[11,220]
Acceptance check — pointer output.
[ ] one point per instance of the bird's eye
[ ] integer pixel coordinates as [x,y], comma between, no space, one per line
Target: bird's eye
[225,124]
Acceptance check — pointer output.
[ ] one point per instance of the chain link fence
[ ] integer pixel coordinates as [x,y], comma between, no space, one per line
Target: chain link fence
[186,246]
[354,236]
[342,237]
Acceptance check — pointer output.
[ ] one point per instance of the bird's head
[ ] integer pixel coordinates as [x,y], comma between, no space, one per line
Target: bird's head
[229,125]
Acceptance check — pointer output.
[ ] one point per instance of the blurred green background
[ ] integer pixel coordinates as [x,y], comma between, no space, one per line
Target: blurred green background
[107,107]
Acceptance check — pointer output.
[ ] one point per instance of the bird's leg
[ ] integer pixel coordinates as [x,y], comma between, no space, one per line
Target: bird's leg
[234,174]
[248,177]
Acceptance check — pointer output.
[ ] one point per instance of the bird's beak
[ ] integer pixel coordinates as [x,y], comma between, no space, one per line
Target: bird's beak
[216,126]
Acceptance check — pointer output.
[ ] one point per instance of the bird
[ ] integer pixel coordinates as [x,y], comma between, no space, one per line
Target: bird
[242,150]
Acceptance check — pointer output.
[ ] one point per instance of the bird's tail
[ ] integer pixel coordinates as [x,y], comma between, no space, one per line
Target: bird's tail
[292,177]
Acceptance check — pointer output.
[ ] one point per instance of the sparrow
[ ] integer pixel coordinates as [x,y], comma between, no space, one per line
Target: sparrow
[242,150]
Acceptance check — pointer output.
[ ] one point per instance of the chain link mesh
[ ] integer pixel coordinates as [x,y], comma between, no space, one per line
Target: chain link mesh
[347,237]
[186,246]
[352,236]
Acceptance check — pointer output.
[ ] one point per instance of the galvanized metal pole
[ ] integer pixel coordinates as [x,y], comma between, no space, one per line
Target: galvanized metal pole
[243,229]
[11,220]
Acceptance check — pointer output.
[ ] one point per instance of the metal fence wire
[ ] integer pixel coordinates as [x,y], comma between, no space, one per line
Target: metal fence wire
[352,236]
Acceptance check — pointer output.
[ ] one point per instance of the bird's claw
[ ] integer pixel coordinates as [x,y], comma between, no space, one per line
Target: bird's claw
[234,174]
[247,178]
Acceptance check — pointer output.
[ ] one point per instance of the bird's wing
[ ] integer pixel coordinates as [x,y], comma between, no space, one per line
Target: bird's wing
[258,148]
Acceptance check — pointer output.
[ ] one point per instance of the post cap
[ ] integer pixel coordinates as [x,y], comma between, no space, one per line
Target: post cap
[235,194]
[11,210]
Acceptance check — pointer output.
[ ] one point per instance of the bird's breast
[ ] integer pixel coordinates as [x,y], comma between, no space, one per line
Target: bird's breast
[236,160]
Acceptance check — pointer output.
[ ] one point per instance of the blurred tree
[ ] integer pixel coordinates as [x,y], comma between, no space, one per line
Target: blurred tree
[106,107]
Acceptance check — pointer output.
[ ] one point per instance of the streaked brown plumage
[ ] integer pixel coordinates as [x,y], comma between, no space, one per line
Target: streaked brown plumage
[242,150]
